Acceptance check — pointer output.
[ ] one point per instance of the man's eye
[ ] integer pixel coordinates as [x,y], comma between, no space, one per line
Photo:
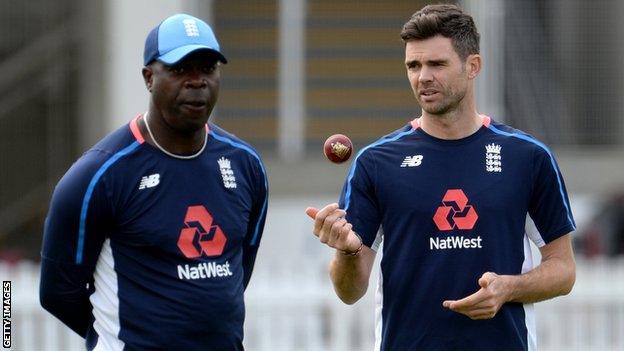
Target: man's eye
[177,70]
[210,69]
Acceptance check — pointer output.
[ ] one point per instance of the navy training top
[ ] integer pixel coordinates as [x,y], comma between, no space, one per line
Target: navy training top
[143,251]
[448,211]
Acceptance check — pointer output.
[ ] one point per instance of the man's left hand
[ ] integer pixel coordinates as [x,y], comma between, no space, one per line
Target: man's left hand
[485,303]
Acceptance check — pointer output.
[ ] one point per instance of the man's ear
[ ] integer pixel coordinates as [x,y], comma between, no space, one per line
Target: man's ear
[148,74]
[473,65]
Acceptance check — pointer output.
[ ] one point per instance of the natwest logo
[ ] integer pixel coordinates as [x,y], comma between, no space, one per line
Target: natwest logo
[455,213]
[200,235]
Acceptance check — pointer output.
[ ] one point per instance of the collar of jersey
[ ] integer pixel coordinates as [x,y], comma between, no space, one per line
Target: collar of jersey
[486,123]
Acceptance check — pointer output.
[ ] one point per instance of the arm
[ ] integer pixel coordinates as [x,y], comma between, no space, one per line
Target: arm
[349,273]
[67,265]
[255,227]
[352,228]
[249,260]
[64,293]
[553,277]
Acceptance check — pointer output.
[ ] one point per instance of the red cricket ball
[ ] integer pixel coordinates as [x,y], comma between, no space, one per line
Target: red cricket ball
[337,148]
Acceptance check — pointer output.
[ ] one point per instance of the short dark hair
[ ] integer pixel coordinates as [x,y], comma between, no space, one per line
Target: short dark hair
[447,20]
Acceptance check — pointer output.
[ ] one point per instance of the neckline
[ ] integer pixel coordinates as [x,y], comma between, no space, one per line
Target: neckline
[485,125]
[171,154]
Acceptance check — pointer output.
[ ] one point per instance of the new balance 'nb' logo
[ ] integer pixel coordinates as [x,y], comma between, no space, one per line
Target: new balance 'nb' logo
[412,161]
[149,181]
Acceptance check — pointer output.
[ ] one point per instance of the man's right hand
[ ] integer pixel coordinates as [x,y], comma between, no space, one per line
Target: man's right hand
[332,228]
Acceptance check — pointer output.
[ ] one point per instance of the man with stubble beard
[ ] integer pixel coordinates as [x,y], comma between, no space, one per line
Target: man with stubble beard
[444,200]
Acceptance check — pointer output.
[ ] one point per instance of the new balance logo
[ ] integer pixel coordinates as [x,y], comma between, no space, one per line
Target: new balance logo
[191,28]
[412,161]
[149,181]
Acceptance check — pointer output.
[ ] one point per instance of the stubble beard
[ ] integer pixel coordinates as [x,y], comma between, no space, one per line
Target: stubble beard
[449,103]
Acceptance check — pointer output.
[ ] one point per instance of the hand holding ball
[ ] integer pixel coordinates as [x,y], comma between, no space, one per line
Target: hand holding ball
[338,148]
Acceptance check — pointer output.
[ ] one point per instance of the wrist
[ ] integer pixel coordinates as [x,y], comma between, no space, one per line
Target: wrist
[511,286]
[356,251]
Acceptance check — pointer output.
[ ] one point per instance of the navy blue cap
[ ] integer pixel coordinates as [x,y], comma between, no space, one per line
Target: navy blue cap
[178,36]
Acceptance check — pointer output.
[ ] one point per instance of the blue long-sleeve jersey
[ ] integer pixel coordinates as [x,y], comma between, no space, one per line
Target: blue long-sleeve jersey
[448,211]
[144,251]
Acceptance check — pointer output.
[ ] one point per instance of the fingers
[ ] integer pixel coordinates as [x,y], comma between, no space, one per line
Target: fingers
[330,226]
[334,218]
[311,212]
[487,313]
[336,232]
[483,304]
[482,310]
[481,313]
[346,229]
[486,279]
[466,302]
[320,216]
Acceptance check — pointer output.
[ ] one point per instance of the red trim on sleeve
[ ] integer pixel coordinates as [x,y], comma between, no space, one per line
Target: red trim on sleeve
[134,127]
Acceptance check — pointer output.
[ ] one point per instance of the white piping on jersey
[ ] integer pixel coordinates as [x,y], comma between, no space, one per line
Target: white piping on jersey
[534,234]
[378,239]
[379,297]
[105,301]
[529,312]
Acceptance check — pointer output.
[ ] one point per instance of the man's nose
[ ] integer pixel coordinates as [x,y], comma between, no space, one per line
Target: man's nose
[426,75]
[196,80]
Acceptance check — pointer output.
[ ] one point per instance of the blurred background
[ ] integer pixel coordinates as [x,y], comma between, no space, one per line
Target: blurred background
[299,71]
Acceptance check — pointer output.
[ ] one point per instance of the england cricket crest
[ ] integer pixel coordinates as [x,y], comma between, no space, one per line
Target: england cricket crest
[229,180]
[493,159]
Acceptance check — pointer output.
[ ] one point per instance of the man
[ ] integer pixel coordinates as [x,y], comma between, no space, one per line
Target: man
[152,235]
[449,194]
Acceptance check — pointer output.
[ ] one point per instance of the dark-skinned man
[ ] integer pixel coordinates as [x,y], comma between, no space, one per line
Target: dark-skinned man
[152,234]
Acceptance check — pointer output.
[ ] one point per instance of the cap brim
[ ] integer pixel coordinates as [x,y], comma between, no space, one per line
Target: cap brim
[175,55]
